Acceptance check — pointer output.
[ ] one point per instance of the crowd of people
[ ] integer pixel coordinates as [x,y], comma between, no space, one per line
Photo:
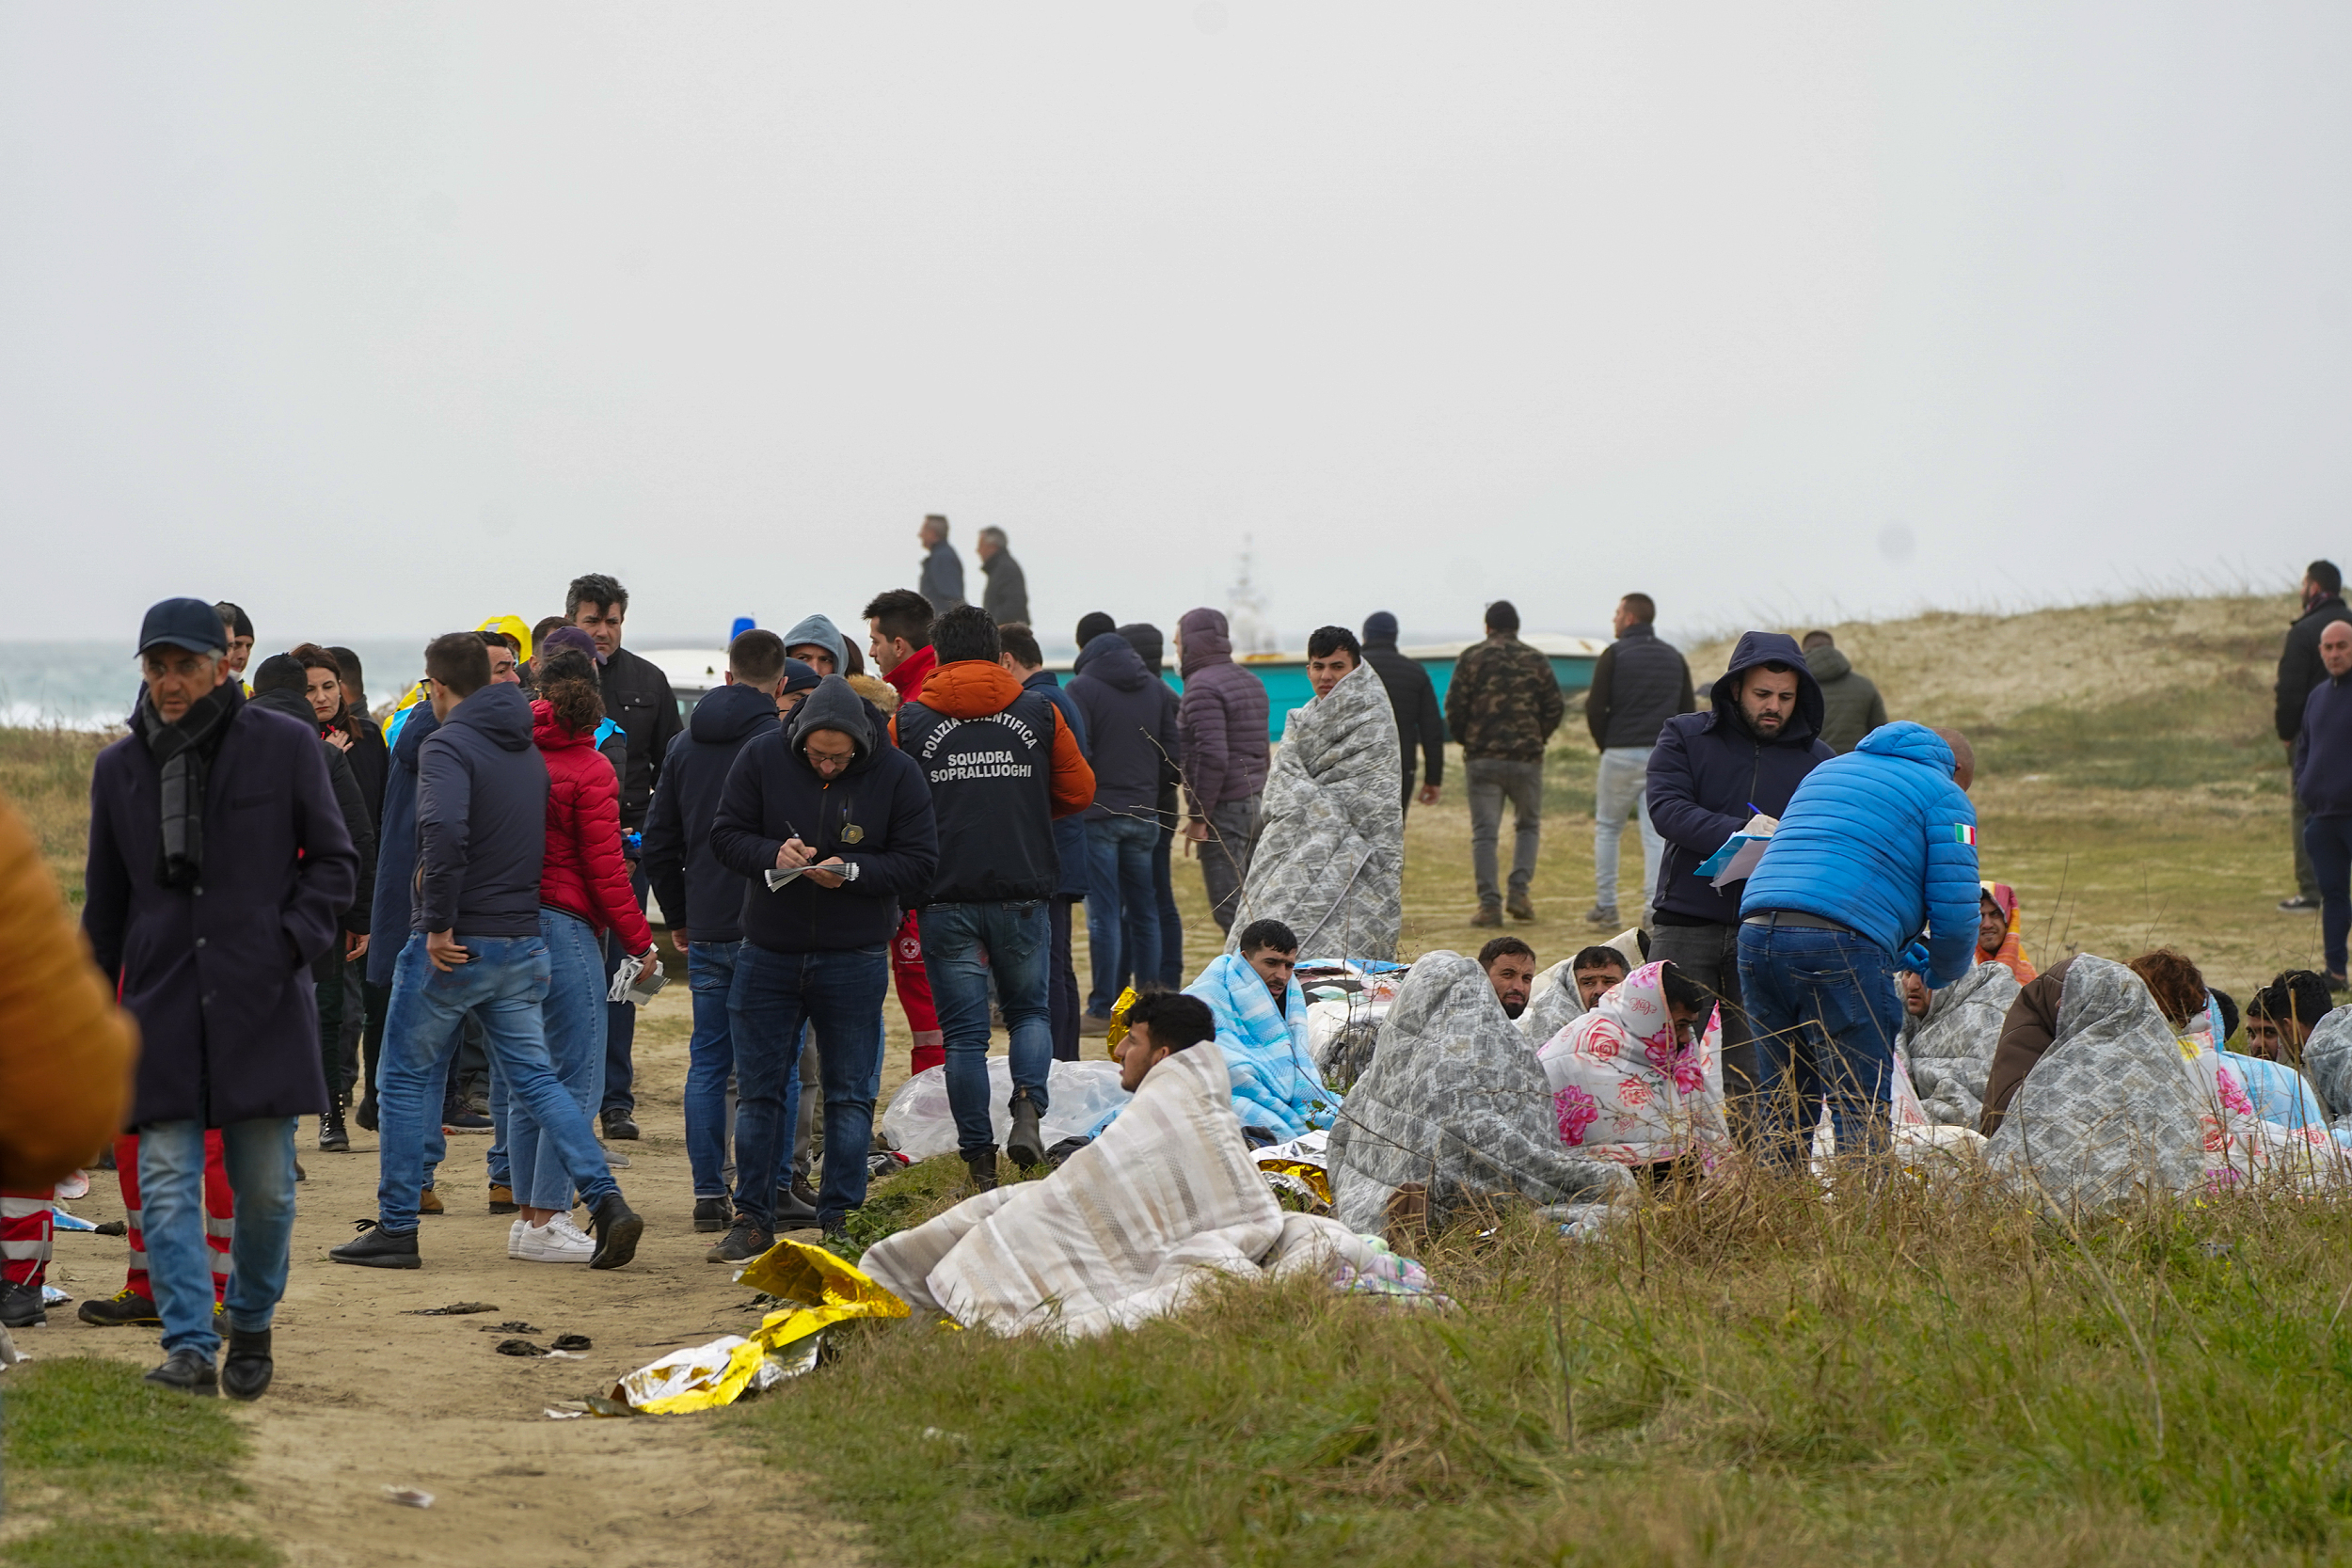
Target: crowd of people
[437,923]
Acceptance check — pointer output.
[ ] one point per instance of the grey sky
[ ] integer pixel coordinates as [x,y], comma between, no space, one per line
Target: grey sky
[386,317]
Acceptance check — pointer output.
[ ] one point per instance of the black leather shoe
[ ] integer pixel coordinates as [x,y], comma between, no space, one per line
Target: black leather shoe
[712,1213]
[616,1228]
[618,1128]
[1027,1144]
[375,1248]
[245,1371]
[21,1306]
[792,1213]
[188,1373]
[365,1114]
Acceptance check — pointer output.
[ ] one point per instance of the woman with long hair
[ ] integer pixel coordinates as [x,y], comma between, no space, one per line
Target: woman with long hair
[583,890]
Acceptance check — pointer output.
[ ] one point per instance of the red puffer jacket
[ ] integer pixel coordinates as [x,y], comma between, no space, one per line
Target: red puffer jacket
[584,874]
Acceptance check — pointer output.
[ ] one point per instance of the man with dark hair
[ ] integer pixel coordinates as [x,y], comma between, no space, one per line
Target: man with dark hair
[1503,706]
[474,948]
[1332,656]
[1094,624]
[1271,948]
[1711,775]
[238,626]
[1025,662]
[1510,966]
[506,656]
[943,570]
[1850,704]
[1594,970]
[1639,682]
[1160,1023]
[1221,719]
[898,635]
[835,826]
[703,898]
[637,697]
[1414,697]
[1007,597]
[1001,766]
[2300,671]
[2279,1017]
[218,868]
[1131,725]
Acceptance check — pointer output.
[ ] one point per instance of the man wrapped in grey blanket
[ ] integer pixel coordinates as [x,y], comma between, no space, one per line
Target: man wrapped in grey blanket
[1950,1050]
[2327,1063]
[1455,1102]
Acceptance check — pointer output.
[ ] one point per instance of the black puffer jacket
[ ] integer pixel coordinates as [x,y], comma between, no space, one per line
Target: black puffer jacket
[1131,721]
[697,891]
[1639,683]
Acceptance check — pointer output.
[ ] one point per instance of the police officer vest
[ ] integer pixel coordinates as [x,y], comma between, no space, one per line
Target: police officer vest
[991,789]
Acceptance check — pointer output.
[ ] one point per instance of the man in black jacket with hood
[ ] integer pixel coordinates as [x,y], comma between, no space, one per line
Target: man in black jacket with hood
[1151,647]
[2299,670]
[1710,775]
[1413,697]
[845,819]
[1132,727]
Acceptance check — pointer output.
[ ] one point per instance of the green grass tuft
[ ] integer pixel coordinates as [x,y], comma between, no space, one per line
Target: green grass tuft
[83,1544]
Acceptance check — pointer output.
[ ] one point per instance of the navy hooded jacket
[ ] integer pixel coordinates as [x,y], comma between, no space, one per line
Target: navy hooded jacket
[396,846]
[1070,832]
[1708,770]
[1131,721]
[699,894]
[482,819]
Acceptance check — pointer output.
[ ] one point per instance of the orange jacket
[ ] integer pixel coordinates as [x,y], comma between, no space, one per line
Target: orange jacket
[969,689]
[66,1050]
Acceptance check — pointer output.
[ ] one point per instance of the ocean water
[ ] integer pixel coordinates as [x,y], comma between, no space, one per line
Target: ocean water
[88,686]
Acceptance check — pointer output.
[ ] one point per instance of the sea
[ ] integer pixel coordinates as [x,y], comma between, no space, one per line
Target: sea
[91,685]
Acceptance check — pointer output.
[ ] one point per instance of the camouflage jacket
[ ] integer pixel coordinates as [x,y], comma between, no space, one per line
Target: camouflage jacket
[1503,700]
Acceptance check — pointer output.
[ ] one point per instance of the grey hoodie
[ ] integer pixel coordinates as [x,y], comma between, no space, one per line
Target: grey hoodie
[821,630]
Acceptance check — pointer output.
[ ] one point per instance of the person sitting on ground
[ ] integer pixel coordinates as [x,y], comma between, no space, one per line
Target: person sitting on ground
[1261,1029]
[1568,990]
[1510,964]
[1597,969]
[1638,1078]
[2172,978]
[1999,928]
[1158,1025]
[2282,1014]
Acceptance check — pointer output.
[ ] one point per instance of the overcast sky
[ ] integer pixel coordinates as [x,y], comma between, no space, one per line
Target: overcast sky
[383,318]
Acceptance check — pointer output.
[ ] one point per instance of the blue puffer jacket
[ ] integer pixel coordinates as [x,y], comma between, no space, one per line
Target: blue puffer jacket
[1883,841]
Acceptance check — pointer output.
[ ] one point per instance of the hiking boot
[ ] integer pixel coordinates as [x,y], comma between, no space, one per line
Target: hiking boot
[375,1248]
[618,1127]
[365,1114]
[1094,1025]
[1027,1142]
[792,1213]
[1519,906]
[245,1370]
[617,1227]
[125,1308]
[21,1306]
[1600,914]
[744,1242]
[332,1138]
[429,1202]
[803,1193]
[1488,915]
[187,1371]
[457,1119]
[711,1214]
[558,1241]
[2302,903]
[502,1198]
[982,1170]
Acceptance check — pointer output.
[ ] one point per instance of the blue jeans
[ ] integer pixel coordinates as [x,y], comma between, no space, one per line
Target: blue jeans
[1171,969]
[774,997]
[501,1170]
[572,1020]
[620,1021]
[504,987]
[1122,907]
[1826,1015]
[963,944]
[2329,841]
[710,1063]
[260,1157]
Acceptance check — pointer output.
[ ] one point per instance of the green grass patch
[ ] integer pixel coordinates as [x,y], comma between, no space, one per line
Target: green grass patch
[1756,1378]
[110,1444]
[2164,739]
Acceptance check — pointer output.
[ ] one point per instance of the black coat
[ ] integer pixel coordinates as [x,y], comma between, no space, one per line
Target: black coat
[1131,724]
[2299,669]
[1639,682]
[219,975]
[350,797]
[370,762]
[1413,697]
[638,696]
[698,894]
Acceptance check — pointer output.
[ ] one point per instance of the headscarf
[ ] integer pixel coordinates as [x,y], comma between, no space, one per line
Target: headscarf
[2010,955]
[1624,1088]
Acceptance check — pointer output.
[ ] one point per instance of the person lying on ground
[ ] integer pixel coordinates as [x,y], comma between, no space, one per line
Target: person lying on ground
[1159,1025]
[1510,966]
[1999,928]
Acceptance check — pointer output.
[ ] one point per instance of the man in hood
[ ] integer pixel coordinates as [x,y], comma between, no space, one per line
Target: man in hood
[1149,647]
[1850,704]
[1131,724]
[1414,697]
[1221,721]
[1503,704]
[703,898]
[2301,669]
[1025,661]
[1639,682]
[817,643]
[943,570]
[1007,597]
[1001,764]
[474,947]
[835,829]
[1871,870]
[1710,775]
[637,696]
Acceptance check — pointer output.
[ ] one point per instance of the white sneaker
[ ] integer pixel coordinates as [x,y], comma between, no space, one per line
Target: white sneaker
[515,1238]
[558,1241]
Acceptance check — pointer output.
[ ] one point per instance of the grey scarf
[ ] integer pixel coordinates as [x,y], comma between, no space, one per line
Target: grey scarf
[183,752]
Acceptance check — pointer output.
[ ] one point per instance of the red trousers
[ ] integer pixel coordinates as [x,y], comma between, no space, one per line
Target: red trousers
[24,1227]
[914,994]
[219,1212]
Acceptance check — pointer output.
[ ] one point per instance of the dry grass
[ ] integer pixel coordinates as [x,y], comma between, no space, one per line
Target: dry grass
[45,775]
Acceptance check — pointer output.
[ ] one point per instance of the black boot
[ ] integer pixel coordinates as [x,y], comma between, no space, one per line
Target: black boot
[1027,1142]
[333,1139]
[792,1213]
[375,1248]
[982,1166]
[245,1373]
[365,1114]
[616,1228]
[21,1306]
[188,1373]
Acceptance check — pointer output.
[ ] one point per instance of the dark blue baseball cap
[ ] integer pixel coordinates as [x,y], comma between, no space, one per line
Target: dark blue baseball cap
[190,624]
[799,677]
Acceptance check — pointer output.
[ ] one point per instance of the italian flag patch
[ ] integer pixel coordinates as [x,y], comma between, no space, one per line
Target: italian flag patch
[1964,834]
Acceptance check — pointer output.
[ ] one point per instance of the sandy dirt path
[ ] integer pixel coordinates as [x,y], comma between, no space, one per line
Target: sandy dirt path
[368,1397]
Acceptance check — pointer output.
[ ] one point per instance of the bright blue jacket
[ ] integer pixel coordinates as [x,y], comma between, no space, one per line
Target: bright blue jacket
[1883,841]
